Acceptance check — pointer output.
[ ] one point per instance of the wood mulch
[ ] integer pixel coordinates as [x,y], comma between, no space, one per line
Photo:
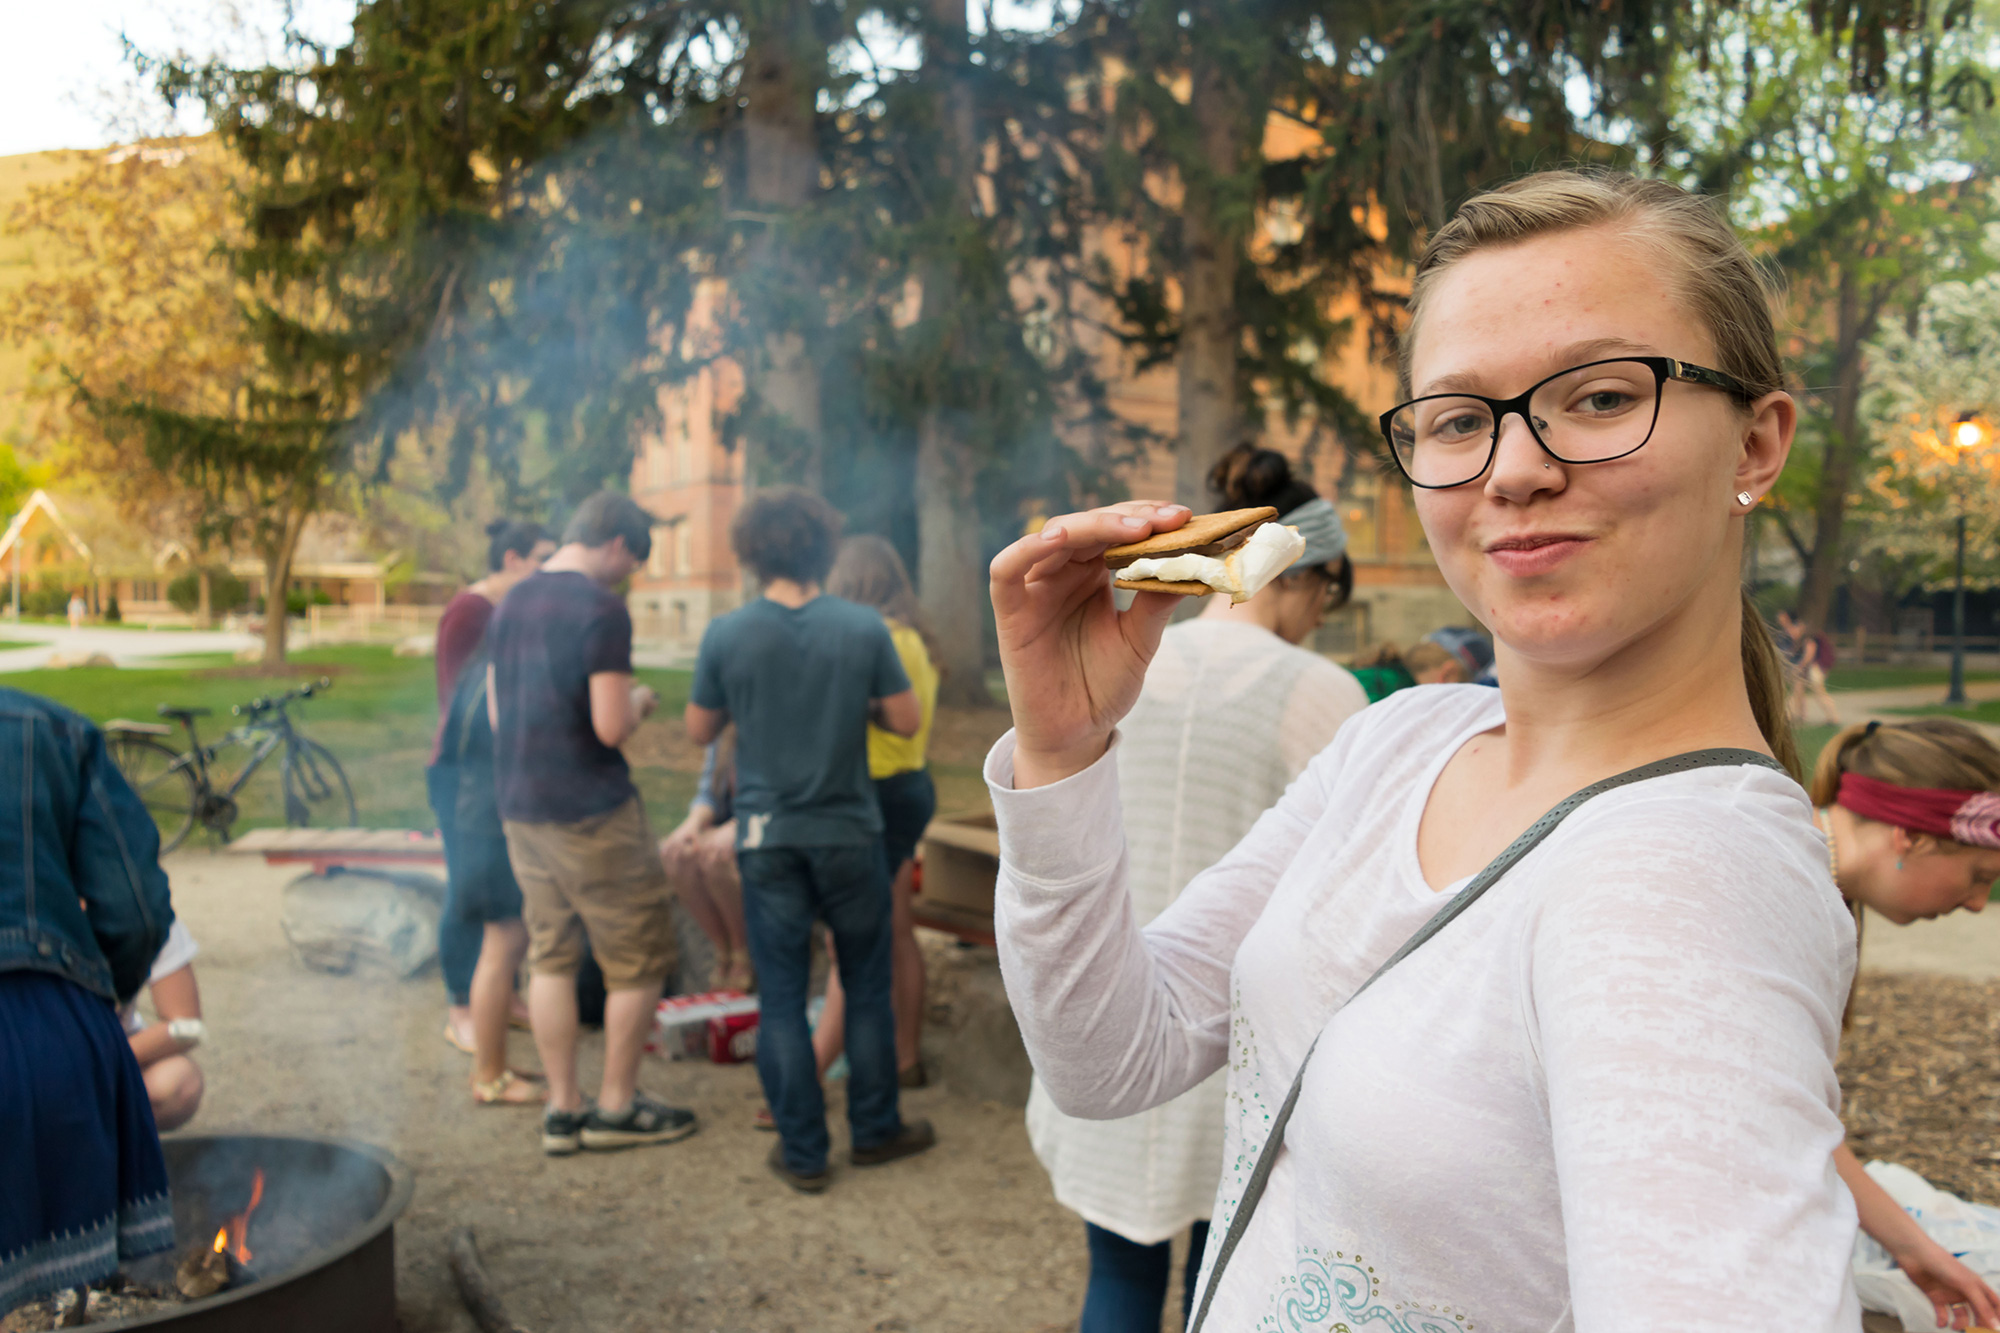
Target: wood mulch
[1920,1079]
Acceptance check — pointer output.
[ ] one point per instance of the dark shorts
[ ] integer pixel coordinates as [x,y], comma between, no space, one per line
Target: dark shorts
[482,878]
[908,801]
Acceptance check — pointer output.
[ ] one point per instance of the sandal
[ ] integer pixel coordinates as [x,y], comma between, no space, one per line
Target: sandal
[764,1120]
[455,1041]
[510,1089]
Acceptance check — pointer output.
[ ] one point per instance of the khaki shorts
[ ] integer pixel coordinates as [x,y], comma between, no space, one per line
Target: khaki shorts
[596,883]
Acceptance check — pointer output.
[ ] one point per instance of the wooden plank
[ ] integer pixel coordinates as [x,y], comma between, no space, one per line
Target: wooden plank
[333,842]
[970,837]
[968,925]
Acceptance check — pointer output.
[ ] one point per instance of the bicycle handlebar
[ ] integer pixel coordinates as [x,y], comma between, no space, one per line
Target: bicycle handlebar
[266,703]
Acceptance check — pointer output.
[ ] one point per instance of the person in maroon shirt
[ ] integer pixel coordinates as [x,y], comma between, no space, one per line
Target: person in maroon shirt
[516,549]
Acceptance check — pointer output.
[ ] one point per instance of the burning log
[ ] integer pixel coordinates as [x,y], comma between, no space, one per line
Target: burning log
[207,1269]
[477,1289]
[203,1271]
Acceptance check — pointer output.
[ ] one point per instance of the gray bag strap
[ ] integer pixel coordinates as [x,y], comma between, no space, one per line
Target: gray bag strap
[1267,1156]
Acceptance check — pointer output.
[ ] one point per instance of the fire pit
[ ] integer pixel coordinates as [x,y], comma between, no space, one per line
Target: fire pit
[308,1227]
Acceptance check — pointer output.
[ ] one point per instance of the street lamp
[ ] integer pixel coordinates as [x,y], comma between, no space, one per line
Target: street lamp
[1967,433]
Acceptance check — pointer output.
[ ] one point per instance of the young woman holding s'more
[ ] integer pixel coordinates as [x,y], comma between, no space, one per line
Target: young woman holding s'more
[1601,1094]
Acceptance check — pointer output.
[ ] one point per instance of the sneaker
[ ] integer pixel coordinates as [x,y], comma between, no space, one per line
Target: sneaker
[913,1138]
[561,1131]
[644,1121]
[815,1183]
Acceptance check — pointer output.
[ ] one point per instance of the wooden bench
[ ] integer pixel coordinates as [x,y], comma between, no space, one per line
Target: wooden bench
[323,848]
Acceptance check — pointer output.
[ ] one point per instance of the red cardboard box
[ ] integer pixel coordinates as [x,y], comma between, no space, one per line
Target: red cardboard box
[681,1024]
[732,1039]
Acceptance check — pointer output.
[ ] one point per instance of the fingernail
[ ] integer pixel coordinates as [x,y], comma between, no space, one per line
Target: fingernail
[1052,532]
[1173,509]
[1132,522]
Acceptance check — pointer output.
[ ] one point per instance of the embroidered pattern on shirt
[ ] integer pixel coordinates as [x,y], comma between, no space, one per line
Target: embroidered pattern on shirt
[1339,1293]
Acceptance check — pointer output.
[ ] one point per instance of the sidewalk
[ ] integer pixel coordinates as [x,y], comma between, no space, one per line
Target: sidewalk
[126,647]
[1963,944]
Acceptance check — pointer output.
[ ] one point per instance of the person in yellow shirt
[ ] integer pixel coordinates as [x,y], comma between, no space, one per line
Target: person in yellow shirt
[869,571]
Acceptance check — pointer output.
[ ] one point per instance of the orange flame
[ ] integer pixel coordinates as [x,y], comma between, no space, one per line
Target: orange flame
[232,1237]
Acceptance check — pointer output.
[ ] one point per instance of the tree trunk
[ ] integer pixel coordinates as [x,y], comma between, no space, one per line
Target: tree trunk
[1209,416]
[204,604]
[781,171]
[278,582]
[951,572]
[1856,313]
[953,590]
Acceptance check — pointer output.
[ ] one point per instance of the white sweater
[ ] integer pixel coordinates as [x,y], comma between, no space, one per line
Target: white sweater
[1602,1099]
[1229,715]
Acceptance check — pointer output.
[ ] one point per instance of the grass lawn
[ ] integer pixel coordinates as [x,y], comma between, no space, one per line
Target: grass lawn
[18,643]
[378,719]
[1988,712]
[1895,677]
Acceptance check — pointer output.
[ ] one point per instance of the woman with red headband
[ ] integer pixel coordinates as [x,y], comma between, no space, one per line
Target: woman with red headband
[1911,813]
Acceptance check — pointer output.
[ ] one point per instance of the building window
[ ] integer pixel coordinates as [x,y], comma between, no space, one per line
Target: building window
[656,466]
[656,560]
[1360,512]
[683,548]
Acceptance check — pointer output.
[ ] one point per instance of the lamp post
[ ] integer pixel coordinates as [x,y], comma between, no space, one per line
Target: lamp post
[1966,434]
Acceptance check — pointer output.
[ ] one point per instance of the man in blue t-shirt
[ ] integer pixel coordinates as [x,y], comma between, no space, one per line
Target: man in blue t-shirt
[802,675]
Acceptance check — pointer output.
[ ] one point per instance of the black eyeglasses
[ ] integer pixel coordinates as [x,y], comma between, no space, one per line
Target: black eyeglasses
[1590,413]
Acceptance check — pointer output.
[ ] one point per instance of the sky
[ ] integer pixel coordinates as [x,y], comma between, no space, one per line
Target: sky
[64,79]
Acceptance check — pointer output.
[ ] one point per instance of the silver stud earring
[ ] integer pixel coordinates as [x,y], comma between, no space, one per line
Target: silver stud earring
[1544,464]
[1745,499]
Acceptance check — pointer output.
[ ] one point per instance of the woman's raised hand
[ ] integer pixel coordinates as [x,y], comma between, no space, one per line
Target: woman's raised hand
[1073,661]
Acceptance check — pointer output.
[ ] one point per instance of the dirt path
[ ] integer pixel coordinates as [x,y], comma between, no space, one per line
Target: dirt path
[692,1236]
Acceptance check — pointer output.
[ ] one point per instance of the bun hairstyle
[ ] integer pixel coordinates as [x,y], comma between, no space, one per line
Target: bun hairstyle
[1248,477]
[1708,268]
[519,535]
[1923,752]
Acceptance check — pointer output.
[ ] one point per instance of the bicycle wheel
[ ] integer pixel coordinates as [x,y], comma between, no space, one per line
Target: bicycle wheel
[316,790]
[166,785]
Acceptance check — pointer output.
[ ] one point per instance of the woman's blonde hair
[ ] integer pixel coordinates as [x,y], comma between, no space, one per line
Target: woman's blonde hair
[868,570]
[1709,270]
[1924,752]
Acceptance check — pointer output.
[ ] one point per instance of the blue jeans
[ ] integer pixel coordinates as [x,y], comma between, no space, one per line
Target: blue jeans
[1128,1281]
[785,889]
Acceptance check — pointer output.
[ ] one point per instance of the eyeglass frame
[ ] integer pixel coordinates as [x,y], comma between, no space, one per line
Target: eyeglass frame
[1664,368]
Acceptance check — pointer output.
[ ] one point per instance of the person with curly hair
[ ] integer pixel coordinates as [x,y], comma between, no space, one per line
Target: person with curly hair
[802,674]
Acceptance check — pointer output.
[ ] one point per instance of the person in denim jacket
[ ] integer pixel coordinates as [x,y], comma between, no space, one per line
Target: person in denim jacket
[83,911]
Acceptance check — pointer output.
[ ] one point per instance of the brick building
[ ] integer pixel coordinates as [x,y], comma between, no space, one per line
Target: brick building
[685,477]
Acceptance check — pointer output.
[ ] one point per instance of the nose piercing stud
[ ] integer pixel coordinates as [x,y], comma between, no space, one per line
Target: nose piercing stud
[1544,464]
[1745,499]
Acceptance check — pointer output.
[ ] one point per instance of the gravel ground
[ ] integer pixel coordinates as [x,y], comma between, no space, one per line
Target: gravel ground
[1920,1071]
[688,1237]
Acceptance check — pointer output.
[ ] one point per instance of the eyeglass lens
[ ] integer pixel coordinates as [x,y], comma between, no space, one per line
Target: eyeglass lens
[1586,415]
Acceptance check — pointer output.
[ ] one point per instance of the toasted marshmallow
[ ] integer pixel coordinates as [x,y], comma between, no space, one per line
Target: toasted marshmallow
[1241,573]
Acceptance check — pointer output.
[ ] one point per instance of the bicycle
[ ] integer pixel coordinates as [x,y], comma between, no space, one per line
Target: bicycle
[180,790]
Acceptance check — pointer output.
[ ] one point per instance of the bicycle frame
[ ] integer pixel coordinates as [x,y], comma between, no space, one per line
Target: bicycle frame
[273,732]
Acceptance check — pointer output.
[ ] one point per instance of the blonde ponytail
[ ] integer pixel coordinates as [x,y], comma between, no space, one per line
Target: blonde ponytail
[1764,678]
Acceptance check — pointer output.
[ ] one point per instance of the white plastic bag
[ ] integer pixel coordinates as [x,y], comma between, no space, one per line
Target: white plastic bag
[1971,1231]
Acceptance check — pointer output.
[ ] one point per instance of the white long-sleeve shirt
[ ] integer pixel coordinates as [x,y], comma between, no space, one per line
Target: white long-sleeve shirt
[1602,1099]
[1229,715]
